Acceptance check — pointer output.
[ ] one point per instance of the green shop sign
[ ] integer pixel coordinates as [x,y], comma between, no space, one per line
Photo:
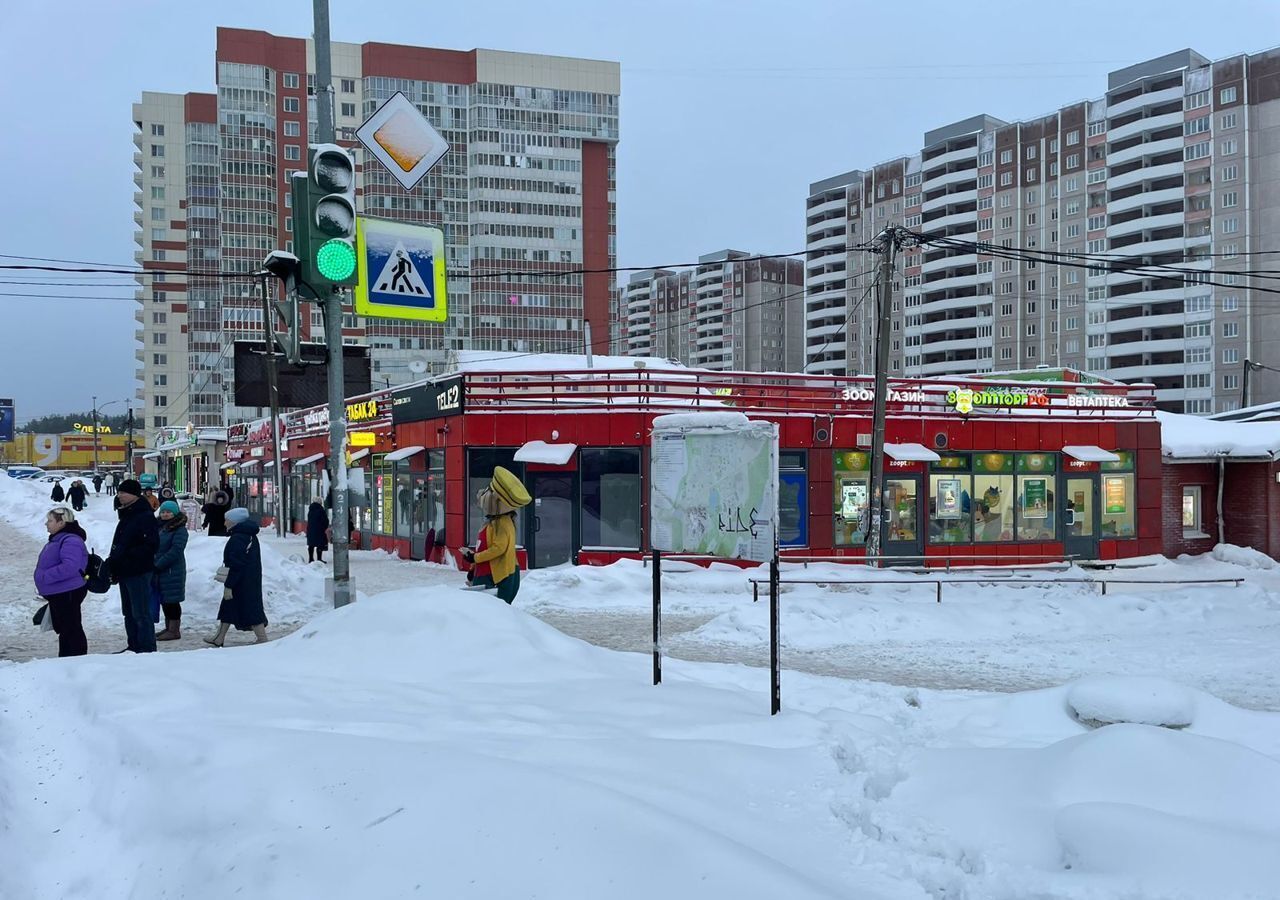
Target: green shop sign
[964,400]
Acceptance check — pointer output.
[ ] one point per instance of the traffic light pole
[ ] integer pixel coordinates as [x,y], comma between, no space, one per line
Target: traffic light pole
[333,335]
[95,434]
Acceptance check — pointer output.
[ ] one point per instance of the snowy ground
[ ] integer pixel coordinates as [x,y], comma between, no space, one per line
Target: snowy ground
[428,741]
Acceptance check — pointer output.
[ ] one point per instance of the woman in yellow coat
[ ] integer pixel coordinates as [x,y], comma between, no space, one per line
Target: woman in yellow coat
[500,552]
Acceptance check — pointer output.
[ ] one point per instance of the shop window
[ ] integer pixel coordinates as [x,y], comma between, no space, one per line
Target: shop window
[480,463]
[852,490]
[1036,511]
[992,497]
[951,500]
[610,498]
[1192,513]
[793,494]
[1118,497]
[404,500]
[428,501]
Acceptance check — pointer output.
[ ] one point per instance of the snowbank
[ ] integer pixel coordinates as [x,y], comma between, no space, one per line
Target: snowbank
[1107,700]
[441,742]
[1243,556]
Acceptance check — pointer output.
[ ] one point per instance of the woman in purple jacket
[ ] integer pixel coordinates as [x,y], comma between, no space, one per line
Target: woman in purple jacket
[60,579]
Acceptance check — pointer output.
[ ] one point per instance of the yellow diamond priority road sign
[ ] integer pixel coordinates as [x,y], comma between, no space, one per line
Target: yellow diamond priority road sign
[402,140]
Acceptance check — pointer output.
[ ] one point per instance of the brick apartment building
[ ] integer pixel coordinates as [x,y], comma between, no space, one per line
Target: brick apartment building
[528,185]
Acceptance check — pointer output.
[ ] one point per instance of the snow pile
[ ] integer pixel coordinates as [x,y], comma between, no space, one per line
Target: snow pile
[437,741]
[1194,437]
[1129,810]
[1109,699]
[1243,556]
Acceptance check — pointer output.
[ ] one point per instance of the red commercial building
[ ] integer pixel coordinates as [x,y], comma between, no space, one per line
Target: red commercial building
[977,470]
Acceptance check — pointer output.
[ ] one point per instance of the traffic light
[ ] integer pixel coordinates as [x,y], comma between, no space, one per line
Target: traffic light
[327,237]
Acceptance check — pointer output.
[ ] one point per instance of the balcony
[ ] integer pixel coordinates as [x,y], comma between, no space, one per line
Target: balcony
[1154,245]
[966,343]
[829,242]
[1145,198]
[949,262]
[942,159]
[1146,223]
[827,206]
[949,178]
[824,225]
[1146,124]
[1151,148]
[949,366]
[957,218]
[825,312]
[823,331]
[953,198]
[1151,98]
[955,281]
[823,280]
[1149,173]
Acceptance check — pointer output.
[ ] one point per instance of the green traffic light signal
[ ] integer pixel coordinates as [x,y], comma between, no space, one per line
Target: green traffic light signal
[325,228]
[336,260]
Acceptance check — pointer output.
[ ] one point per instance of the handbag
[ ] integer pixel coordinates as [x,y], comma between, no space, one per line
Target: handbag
[221,574]
[43,618]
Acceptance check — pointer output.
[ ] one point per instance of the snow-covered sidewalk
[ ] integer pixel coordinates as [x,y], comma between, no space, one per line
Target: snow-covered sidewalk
[439,743]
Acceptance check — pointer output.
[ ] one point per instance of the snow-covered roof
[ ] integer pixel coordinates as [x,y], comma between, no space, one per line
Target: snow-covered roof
[1193,437]
[489,361]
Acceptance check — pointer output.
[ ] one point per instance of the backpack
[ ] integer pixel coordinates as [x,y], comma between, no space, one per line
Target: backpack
[97,574]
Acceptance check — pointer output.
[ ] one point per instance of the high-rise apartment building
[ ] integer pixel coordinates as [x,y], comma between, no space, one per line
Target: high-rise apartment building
[526,187]
[1174,168]
[733,311]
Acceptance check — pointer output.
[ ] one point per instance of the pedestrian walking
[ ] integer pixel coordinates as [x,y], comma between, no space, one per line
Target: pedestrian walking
[57,495]
[112,480]
[171,568]
[77,495]
[317,532]
[152,500]
[168,493]
[242,593]
[97,482]
[132,561]
[60,580]
[214,510]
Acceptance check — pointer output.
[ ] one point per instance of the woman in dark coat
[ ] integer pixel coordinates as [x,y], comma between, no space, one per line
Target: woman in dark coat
[317,528]
[215,512]
[242,594]
[58,494]
[171,569]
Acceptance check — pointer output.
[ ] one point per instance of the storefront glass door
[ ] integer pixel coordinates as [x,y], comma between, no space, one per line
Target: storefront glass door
[902,535]
[1080,516]
[550,522]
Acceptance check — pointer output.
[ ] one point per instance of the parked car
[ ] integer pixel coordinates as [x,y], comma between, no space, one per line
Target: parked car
[24,472]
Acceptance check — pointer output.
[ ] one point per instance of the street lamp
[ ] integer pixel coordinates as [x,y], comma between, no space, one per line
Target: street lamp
[96,408]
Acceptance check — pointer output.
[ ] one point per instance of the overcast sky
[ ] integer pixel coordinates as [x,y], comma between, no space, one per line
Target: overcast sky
[729,111]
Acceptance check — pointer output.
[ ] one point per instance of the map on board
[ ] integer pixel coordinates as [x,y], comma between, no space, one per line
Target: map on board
[714,489]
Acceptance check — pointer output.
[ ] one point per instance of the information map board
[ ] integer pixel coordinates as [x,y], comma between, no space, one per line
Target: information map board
[714,486]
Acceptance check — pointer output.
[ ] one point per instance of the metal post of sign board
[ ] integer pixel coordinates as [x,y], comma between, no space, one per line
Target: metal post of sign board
[775,675]
[657,616]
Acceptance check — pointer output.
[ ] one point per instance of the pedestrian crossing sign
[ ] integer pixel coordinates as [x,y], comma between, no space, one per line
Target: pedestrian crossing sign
[401,270]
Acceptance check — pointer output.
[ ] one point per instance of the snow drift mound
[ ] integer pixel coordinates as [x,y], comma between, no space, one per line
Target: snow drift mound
[1243,556]
[1110,699]
[442,631]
